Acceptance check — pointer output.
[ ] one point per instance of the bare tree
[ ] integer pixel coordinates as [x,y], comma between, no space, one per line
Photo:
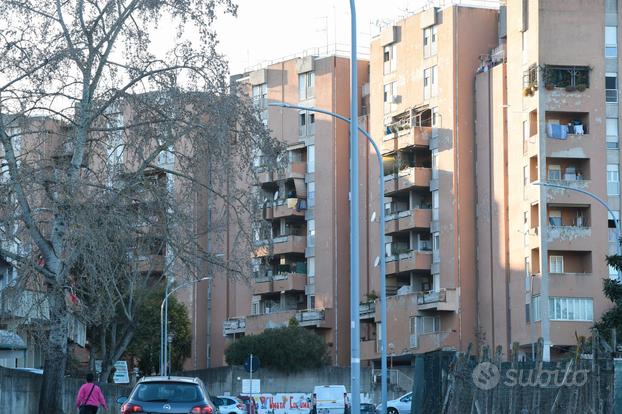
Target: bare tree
[105,152]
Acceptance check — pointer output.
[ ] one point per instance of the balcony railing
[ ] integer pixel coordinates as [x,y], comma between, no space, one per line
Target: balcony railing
[232,326]
[367,310]
[431,296]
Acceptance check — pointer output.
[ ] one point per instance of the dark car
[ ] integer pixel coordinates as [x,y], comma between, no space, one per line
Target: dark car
[170,395]
[367,408]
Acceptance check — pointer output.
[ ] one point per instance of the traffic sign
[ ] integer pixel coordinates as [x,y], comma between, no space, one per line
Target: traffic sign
[251,363]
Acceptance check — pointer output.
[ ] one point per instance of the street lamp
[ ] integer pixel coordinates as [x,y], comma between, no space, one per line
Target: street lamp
[602,202]
[164,322]
[382,263]
[355,317]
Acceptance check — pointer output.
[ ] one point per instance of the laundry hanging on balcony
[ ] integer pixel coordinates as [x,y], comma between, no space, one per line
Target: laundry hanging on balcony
[557,131]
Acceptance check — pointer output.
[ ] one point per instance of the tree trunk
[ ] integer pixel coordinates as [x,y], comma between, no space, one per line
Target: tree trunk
[50,399]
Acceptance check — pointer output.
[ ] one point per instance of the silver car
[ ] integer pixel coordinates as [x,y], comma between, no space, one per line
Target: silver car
[170,395]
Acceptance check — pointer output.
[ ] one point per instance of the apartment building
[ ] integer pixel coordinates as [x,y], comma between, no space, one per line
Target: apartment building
[551,117]
[301,261]
[421,114]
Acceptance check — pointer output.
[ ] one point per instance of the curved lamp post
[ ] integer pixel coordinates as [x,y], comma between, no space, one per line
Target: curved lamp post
[602,202]
[382,263]
[164,322]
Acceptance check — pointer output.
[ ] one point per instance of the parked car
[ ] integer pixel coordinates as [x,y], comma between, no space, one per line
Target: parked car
[367,408]
[230,405]
[330,399]
[170,395]
[400,405]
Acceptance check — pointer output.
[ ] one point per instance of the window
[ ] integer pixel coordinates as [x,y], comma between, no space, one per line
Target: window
[613,179]
[389,60]
[556,264]
[430,82]
[311,233]
[555,218]
[555,172]
[611,41]
[427,324]
[611,87]
[429,41]
[435,205]
[436,242]
[260,95]
[525,180]
[306,124]
[390,97]
[311,158]
[311,194]
[611,132]
[306,85]
[571,309]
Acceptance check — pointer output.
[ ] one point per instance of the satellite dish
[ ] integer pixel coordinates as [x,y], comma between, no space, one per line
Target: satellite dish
[373,216]
[377,261]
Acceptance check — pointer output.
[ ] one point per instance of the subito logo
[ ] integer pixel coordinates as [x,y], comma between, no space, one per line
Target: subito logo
[486,376]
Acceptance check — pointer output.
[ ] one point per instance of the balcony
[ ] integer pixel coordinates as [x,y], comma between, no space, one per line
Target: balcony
[234,326]
[294,169]
[367,310]
[281,245]
[291,207]
[23,304]
[401,137]
[442,300]
[283,282]
[435,340]
[369,349]
[315,318]
[406,179]
[407,220]
[408,261]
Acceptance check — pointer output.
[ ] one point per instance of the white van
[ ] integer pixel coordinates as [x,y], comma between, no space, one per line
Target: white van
[330,399]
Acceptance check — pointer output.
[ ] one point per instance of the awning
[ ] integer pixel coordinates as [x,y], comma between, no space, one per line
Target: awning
[12,341]
[296,146]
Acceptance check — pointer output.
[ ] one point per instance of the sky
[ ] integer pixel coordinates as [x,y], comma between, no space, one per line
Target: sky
[267,30]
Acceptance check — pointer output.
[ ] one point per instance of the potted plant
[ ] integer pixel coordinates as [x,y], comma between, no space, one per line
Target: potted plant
[570,88]
[534,88]
[549,86]
[527,92]
[581,87]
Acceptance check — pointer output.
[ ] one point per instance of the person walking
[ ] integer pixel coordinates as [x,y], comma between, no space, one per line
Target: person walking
[90,397]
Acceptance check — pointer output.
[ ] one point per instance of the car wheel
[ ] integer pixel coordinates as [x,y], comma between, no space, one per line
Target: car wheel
[392,411]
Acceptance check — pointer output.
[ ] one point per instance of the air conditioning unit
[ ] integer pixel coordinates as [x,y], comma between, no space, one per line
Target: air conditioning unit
[395,99]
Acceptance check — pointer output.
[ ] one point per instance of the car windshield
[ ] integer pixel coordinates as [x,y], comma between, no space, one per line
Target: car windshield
[167,392]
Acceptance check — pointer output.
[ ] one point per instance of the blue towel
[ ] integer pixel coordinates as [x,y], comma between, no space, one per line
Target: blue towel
[557,131]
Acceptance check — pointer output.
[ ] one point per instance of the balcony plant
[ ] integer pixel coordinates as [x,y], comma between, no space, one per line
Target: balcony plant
[581,87]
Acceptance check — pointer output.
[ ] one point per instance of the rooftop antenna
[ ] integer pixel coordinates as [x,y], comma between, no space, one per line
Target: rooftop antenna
[324,29]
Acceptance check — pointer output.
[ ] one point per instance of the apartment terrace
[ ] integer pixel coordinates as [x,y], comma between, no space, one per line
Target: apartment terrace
[314,318]
[408,260]
[441,300]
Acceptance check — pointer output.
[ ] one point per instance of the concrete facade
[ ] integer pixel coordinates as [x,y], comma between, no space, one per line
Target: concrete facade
[301,262]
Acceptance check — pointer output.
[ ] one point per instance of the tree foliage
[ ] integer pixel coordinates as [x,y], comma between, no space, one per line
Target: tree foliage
[288,349]
[109,141]
[612,318]
[146,342]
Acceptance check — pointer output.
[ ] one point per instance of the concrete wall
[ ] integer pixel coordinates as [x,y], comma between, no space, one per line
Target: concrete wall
[19,393]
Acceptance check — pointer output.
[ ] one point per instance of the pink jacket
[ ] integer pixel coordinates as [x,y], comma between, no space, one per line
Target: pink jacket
[95,399]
